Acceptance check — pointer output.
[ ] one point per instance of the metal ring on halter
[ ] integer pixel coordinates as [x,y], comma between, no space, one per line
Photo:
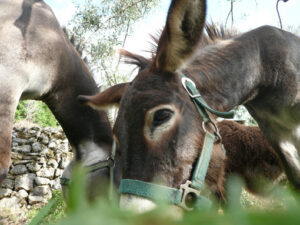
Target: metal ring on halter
[111,162]
[188,190]
[186,79]
[219,138]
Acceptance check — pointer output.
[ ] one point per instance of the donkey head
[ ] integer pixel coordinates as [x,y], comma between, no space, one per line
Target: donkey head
[158,128]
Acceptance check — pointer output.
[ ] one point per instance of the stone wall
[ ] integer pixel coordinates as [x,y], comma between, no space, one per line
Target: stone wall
[39,156]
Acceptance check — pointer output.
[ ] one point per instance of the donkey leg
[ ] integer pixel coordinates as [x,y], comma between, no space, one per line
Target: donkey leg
[8,106]
[290,160]
[4,156]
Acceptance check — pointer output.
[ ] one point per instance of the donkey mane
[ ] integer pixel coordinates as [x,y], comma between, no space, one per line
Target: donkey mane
[78,47]
[213,34]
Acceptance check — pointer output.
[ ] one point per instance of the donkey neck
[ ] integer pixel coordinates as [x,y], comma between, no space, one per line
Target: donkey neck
[227,73]
[83,125]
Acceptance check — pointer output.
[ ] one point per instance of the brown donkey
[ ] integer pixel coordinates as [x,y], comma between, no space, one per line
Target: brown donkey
[249,155]
[158,127]
[37,61]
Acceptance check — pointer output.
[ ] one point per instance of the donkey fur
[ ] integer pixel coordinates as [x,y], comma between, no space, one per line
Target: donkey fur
[249,155]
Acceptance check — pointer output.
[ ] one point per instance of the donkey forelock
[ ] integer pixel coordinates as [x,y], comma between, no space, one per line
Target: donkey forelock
[213,34]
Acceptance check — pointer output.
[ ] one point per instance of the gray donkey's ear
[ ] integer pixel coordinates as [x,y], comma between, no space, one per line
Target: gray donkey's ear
[110,97]
[181,35]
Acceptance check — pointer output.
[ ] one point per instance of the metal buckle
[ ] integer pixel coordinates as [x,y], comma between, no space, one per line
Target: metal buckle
[64,181]
[187,190]
[217,133]
[186,79]
[111,162]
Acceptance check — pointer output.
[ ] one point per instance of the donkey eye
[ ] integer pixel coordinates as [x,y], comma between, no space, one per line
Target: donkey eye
[161,116]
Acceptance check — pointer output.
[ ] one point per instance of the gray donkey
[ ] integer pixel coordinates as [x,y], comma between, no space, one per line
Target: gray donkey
[37,61]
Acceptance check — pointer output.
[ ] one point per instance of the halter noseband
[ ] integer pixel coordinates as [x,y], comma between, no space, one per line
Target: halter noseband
[108,163]
[194,186]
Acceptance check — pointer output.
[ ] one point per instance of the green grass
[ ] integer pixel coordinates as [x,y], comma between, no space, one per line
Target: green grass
[285,211]
[52,213]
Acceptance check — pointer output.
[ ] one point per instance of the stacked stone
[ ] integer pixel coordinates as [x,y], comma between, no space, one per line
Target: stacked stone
[39,156]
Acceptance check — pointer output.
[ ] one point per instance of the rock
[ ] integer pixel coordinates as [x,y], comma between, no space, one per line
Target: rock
[15,155]
[58,172]
[8,183]
[44,139]
[41,190]
[19,162]
[16,129]
[63,147]
[36,128]
[32,140]
[9,203]
[37,161]
[18,170]
[33,167]
[63,163]
[42,181]
[53,163]
[42,160]
[37,147]
[54,131]
[58,156]
[48,153]
[4,192]
[58,135]
[23,133]
[32,199]
[55,184]
[23,148]
[32,133]
[32,154]
[46,172]
[25,182]
[20,141]
[14,144]
[52,144]
[22,194]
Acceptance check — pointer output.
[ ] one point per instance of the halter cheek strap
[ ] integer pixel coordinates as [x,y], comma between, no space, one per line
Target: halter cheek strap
[193,187]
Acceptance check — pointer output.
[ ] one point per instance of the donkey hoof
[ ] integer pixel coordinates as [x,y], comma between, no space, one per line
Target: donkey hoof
[3,174]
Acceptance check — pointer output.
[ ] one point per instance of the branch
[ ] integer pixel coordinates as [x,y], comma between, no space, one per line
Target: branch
[106,74]
[123,44]
[230,12]
[122,11]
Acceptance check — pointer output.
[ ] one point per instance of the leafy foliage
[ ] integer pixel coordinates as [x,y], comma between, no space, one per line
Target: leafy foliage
[101,27]
[103,212]
[241,113]
[52,212]
[44,117]
[21,112]
[35,112]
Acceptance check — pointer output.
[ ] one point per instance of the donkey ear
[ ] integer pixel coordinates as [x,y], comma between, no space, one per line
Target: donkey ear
[110,97]
[181,35]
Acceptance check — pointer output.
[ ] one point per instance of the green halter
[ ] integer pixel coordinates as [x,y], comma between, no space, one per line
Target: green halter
[109,163]
[194,186]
